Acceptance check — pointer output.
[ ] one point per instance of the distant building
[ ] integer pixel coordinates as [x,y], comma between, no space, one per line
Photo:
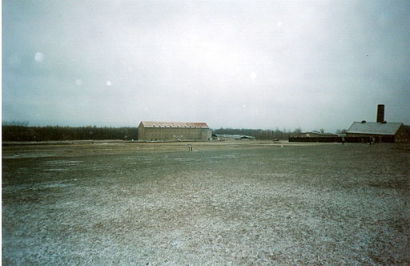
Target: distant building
[236,137]
[173,131]
[380,131]
[314,134]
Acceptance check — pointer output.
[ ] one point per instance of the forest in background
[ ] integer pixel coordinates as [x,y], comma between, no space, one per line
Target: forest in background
[47,133]
[23,132]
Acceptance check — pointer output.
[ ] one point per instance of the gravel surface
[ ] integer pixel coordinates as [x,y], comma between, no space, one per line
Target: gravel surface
[224,203]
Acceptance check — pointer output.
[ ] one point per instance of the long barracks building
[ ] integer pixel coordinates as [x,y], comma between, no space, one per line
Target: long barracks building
[173,131]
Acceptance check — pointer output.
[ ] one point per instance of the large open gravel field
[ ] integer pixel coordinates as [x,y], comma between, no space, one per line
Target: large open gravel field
[223,203]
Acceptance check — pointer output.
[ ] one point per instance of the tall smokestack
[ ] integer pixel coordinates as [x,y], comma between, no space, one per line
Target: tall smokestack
[380,113]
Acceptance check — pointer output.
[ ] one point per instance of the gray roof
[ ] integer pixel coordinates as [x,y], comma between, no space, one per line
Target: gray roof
[174,124]
[375,128]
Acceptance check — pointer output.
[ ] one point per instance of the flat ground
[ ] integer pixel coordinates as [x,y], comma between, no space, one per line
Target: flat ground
[244,202]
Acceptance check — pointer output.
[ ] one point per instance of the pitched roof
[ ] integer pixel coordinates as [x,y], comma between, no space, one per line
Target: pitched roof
[174,124]
[376,128]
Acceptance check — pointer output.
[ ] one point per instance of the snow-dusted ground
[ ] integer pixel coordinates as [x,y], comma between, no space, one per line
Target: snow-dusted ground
[222,203]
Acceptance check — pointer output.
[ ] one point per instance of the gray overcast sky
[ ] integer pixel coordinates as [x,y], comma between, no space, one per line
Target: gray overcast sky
[242,64]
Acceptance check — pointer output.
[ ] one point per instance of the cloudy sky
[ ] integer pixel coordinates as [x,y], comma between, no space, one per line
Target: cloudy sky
[243,64]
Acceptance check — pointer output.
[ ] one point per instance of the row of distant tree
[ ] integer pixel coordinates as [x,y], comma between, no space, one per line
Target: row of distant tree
[29,133]
[20,131]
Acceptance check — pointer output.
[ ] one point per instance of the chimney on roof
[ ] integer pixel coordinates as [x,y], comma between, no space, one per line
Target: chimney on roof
[380,113]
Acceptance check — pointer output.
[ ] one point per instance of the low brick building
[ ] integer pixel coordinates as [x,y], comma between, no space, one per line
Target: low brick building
[381,132]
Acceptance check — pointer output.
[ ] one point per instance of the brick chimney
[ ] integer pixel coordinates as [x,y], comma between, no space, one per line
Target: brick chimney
[380,113]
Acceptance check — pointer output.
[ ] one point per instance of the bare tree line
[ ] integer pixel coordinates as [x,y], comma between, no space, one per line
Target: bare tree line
[20,131]
[31,133]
